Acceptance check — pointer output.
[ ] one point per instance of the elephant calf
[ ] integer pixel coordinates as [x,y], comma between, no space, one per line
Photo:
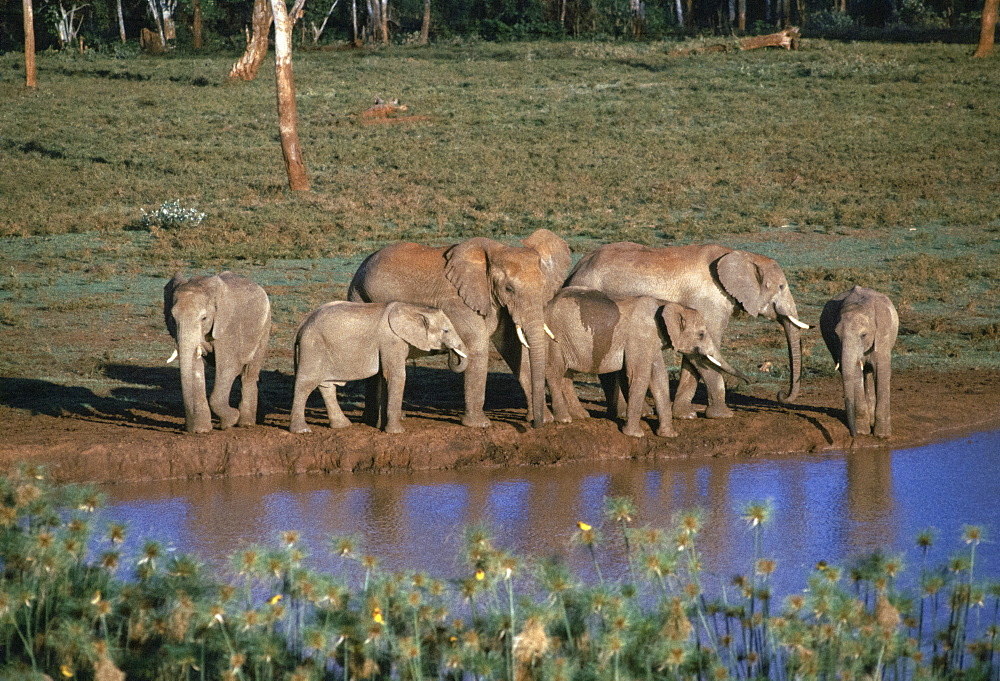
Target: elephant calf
[597,333]
[226,319]
[346,341]
[859,327]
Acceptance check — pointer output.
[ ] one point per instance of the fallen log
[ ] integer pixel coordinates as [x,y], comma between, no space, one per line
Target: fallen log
[788,39]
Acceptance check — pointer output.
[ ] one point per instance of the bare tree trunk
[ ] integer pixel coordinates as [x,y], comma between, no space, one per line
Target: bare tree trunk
[30,69]
[425,25]
[247,66]
[354,22]
[384,15]
[121,20]
[987,30]
[287,116]
[690,13]
[743,14]
[196,24]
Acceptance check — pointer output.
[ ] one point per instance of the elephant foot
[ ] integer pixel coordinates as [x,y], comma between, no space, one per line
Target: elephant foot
[718,412]
[685,411]
[200,429]
[299,429]
[394,428]
[666,431]
[882,432]
[342,422]
[633,431]
[475,421]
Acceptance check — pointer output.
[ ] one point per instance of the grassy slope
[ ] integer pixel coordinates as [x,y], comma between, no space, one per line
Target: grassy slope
[849,163]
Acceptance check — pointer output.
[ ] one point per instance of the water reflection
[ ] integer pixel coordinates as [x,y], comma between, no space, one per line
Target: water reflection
[825,507]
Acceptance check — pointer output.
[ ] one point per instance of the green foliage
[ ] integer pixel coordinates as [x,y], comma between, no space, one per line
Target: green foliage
[68,608]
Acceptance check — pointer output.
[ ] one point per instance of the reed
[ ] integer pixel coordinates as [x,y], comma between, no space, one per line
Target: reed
[69,608]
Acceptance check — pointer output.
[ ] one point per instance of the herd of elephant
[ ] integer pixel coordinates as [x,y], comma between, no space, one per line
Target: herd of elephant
[611,315]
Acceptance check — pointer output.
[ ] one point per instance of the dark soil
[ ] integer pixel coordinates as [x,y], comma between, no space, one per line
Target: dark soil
[128,436]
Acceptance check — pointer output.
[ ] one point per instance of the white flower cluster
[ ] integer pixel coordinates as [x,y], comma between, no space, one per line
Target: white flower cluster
[171,216]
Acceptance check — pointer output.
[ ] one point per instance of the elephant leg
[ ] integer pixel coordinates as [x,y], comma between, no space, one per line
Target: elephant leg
[516,357]
[883,376]
[716,388]
[395,382]
[613,396]
[659,385]
[686,387]
[249,395]
[298,415]
[859,407]
[637,379]
[576,409]
[557,389]
[219,400]
[372,414]
[328,389]
[475,389]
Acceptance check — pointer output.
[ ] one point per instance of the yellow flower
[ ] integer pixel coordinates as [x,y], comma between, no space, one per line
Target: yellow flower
[275,598]
[66,671]
[377,615]
[480,575]
[583,526]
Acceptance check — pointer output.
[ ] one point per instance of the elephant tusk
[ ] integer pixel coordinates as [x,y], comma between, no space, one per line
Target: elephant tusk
[200,352]
[836,367]
[714,361]
[549,331]
[520,337]
[801,325]
[173,356]
[460,353]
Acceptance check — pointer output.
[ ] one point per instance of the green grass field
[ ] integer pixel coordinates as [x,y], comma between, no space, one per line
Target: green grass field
[848,162]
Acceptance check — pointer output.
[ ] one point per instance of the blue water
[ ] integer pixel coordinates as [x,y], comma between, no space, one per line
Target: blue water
[828,507]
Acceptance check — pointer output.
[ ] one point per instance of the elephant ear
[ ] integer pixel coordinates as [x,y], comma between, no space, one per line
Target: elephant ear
[225,302]
[411,324]
[743,280]
[466,268]
[676,323]
[168,302]
[555,256]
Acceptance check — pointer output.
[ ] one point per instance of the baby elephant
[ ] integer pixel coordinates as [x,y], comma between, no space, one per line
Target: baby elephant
[859,327]
[601,334]
[343,341]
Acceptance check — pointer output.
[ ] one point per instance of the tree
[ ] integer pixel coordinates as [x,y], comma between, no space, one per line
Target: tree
[987,29]
[287,115]
[195,24]
[247,65]
[30,70]
[425,25]
[121,20]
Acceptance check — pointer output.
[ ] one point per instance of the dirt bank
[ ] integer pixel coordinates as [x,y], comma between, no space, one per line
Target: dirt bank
[136,441]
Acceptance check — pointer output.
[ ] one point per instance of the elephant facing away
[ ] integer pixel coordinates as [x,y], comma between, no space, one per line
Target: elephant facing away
[859,327]
[625,336]
[343,341]
[490,291]
[226,319]
[711,279]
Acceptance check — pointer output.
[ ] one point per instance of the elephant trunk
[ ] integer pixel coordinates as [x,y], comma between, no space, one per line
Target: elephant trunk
[793,336]
[538,340]
[852,373]
[197,415]
[458,359]
[721,363]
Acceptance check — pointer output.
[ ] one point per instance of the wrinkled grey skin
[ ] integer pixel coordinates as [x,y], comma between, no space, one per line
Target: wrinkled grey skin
[487,289]
[225,319]
[343,341]
[859,327]
[601,334]
[709,278]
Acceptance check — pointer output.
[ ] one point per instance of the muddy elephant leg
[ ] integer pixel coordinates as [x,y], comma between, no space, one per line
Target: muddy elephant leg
[686,387]
[474,380]
[219,401]
[328,390]
[614,397]
[249,395]
[395,382]
[637,379]
[659,385]
[557,389]
[576,409]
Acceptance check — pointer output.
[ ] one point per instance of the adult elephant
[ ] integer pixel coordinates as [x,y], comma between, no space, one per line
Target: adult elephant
[490,291]
[710,278]
[226,319]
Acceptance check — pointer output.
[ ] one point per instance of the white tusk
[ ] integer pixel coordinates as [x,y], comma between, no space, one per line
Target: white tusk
[520,337]
[173,356]
[836,367]
[861,365]
[713,361]
[801,325]
[549,331]
[460,353]
[200,352]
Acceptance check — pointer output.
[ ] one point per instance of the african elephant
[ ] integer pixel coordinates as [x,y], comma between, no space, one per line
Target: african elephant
[226,319]
[490,291]
[343,341]
[710,278]
[598,333]
[859,327]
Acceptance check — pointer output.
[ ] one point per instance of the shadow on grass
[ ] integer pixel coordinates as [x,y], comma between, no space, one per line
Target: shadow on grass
[152,397]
